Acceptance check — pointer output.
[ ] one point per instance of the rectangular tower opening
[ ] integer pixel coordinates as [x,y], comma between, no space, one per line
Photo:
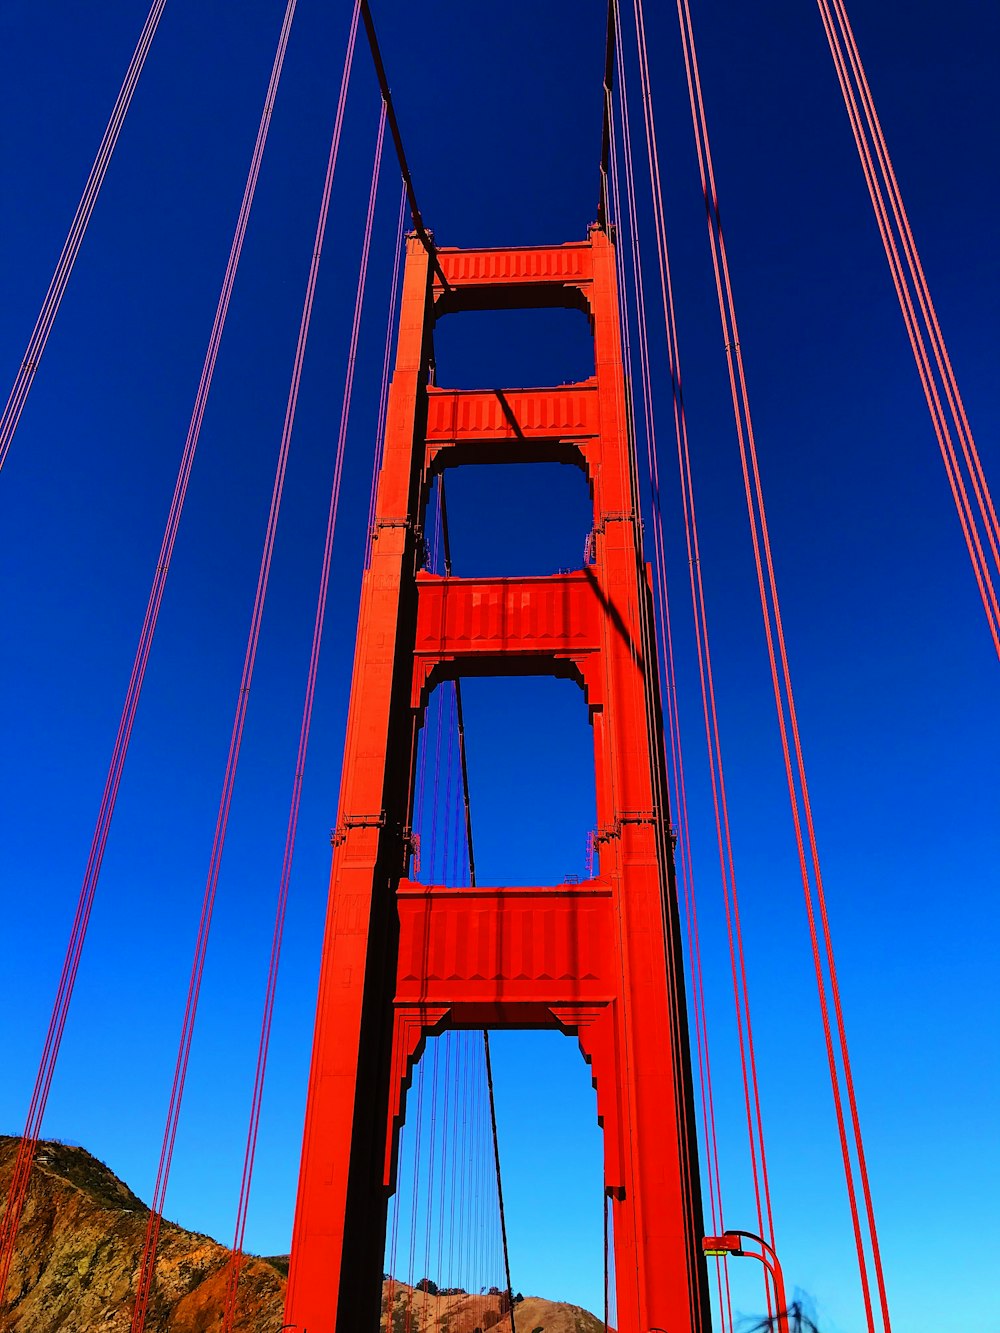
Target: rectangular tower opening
[508,349]
[510,520]
[444,1254]
[531,780]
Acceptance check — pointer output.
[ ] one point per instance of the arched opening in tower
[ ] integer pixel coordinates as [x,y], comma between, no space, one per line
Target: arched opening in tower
[444,1257]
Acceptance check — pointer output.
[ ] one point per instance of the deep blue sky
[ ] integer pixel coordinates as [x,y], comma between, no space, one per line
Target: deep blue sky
[895,674]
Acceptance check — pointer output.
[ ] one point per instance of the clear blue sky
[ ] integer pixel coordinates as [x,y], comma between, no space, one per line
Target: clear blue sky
[895,675]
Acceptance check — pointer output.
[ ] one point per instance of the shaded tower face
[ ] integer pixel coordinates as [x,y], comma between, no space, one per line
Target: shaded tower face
[601,959]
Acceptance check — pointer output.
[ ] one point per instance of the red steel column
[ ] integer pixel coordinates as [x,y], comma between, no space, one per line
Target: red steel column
[657,1211]
[335,1276]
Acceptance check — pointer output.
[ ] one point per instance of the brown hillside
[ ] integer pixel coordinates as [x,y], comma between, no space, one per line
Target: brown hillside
[78,1250]
[418,1312]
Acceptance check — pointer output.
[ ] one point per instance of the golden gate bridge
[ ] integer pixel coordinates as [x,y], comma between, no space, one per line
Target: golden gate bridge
[405,958]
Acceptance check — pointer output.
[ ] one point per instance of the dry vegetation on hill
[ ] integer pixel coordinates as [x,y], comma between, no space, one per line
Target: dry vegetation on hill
[79,1244]
[78,1250]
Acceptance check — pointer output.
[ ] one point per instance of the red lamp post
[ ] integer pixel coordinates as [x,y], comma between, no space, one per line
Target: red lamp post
[730,1243]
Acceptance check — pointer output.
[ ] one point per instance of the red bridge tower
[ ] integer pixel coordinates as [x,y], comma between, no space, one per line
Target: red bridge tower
[601,959]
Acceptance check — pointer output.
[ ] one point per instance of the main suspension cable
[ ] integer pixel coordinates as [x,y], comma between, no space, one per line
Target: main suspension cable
[147,1265]
[607,116]
[71,248]
[397,139]
[57,1023]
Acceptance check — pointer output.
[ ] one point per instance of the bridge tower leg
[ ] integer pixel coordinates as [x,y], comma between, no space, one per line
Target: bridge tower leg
[601,959]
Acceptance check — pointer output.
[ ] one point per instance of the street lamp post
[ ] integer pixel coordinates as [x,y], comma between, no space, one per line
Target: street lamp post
[730,1243]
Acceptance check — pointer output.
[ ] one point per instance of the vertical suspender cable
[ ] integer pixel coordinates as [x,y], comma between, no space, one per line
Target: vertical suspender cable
[419,789]
[912,291]
[679,793]
[461,1159]
[754,1118]
[412,1319]
[460,716]
[650,701]
[666,662]
[669,901]
[71,248]
[446,821]
[411,1277]
[74,949]
[454,1270]
[390,1293]
[232,1284]
[431,1163]
[809,864]
[464,765]
[670,693]
[148,1260]
[447,1038]
[496,1160]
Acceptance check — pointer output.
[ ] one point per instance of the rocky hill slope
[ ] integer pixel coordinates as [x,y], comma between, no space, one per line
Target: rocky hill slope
[418,1312]
[78,1250]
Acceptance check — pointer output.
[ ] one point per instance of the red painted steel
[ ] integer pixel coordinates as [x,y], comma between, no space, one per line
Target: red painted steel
[602,959]
[568,413]
[496,627]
